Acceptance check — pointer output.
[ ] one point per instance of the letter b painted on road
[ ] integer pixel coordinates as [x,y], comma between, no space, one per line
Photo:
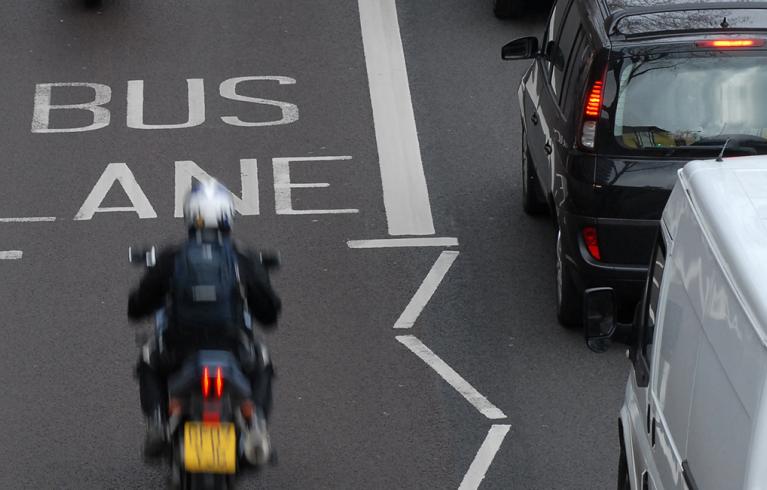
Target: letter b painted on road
[43,107]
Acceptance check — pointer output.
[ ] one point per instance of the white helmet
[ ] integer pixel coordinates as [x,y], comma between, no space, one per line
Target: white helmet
[208,206]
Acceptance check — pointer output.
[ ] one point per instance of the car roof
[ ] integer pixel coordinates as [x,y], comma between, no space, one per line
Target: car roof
[621,20]
[730,198]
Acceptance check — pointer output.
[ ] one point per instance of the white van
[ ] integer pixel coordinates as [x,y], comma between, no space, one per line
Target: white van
[695,413]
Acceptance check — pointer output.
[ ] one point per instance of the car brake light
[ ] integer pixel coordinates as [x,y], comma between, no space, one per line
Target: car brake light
[731,43]
[591,113]
[594,102]
[592,244]
[219,382]
[205,382]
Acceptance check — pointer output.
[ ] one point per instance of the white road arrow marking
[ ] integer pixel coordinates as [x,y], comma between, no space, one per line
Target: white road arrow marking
[427,289]
[11,255]
[484,457]
[453,378]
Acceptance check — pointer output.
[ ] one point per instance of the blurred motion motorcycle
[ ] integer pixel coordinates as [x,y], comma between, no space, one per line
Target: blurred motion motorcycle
[210,406]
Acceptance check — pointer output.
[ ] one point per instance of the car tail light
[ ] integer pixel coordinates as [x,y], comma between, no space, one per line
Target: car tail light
[731,43]
[591,113]
[592,242]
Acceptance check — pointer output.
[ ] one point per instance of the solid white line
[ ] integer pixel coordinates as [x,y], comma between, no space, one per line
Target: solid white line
[403,242]
[484,457]
[11,255]
[453,379]
[406,197]
[426,290]
[28,219]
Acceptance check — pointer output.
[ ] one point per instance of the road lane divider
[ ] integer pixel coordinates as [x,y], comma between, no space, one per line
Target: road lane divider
[29,219]
[406,196]
[11,255]
[474,397]
[404,242]
[429,285]
[484,457]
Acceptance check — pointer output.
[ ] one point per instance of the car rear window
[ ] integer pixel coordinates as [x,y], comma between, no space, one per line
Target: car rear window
[680,100]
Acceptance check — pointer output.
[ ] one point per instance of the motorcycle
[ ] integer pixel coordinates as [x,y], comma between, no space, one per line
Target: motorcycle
[210,408]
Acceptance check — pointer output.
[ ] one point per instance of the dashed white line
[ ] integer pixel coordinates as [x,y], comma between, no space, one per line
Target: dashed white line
[426,290]
[484,457]
[453,378]
[404,242]
[406,197]
[11,255]
[30,219]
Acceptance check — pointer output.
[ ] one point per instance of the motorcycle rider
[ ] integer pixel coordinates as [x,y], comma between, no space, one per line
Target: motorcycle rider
[208,213]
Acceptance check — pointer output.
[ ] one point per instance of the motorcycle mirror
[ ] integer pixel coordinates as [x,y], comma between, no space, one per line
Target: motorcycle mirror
[270,259]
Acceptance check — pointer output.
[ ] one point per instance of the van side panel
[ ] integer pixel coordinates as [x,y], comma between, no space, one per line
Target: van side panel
[757,469]
[730,363]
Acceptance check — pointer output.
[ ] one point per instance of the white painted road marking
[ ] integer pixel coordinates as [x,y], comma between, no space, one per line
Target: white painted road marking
[116,172]
[404,242]
[11,255]
[406,197]
[31,219]
[283,200]
[453,378]
[484,457]
[426,290]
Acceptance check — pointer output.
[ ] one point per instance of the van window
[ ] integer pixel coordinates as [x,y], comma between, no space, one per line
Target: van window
[645,338]
[657,268]
[674,103]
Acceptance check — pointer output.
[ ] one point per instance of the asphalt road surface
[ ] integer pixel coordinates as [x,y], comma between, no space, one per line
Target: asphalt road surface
[301,109]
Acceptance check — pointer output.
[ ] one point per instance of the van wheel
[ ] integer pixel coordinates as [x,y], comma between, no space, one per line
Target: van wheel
[508,9]
[623,471]
[532,203]
[568,299]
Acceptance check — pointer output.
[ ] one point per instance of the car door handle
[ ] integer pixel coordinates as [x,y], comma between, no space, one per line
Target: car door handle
[548,148]
[534,118]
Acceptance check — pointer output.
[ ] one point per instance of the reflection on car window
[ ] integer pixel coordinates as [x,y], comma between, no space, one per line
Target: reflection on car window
[669,101]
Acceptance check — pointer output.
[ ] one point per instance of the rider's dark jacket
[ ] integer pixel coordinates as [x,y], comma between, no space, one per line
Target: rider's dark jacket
[152,292]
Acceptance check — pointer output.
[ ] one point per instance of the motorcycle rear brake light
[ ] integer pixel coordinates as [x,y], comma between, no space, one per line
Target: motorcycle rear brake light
[219,382]
[205,382]
[731,43]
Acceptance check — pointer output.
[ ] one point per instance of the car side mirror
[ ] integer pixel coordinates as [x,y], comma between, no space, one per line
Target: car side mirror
[599,318]
[520,49]
[270,259]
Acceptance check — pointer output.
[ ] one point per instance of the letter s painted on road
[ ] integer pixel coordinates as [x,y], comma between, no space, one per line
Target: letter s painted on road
[228,90]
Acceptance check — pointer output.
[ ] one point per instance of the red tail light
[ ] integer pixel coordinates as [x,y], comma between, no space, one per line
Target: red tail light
[592,243]
[205,382]
[594,101]
[731,43]
[219,382]
[591,113]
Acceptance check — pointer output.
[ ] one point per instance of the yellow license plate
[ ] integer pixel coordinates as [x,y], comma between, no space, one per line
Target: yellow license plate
[210,448]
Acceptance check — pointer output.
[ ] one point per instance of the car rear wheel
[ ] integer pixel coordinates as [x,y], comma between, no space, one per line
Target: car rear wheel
[568,297]
[508,9]
[532,203]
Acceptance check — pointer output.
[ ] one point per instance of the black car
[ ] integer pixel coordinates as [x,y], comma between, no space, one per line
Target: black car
[619,97]
[506,9]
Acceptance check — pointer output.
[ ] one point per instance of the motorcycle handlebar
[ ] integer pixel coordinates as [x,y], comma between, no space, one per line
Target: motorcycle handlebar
[140,256]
